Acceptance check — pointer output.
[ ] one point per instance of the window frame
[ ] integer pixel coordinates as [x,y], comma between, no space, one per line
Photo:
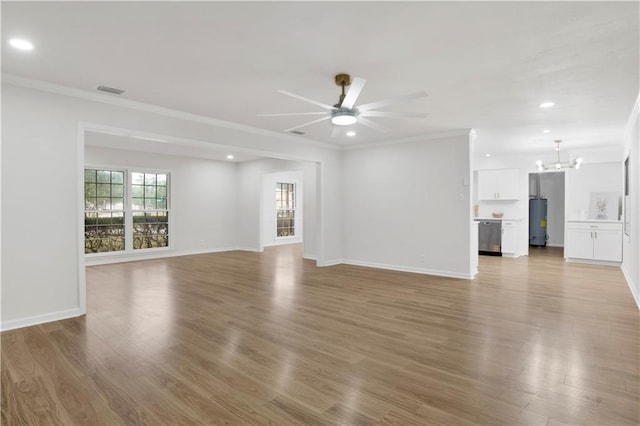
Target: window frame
[294,209]
[129,251]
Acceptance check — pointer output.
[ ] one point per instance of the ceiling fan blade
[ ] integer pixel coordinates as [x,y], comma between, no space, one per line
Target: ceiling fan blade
[291,113]
[379,104]
[354,91]
[302,98]
[372,124]
[391,114]
[308,123]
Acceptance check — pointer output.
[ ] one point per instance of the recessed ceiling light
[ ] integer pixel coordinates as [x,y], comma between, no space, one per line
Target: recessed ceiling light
[546,131]
[547,104]
[21,44]
[487,155]
[351,133]
[230,157]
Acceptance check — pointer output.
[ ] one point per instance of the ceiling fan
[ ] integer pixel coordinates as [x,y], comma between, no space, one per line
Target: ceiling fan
[345,112]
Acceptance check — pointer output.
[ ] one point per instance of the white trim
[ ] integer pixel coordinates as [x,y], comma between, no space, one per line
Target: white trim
[592,262]
[40,319]
[252,249]
[555,245]
[632,288]
[154,109]
[332,262]
[309,257]
[411,269]
[421,138]
[150,255]
[82,274]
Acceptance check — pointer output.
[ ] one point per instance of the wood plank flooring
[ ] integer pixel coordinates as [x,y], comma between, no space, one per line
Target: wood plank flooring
[250,338]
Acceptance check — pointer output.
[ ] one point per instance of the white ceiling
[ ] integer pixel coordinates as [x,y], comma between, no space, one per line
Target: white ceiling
[485,65]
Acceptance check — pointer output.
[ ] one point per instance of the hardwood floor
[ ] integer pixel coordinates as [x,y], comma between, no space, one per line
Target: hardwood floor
[243,338]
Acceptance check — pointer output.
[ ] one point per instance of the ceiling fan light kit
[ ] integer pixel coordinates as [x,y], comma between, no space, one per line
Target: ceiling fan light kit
[345,113]
[559,165]
[343,117]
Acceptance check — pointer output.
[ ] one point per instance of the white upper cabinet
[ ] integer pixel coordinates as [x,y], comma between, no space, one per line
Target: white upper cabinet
[499,184]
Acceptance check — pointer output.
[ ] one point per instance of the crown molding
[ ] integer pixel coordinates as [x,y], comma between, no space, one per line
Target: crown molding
[45,86]
[421,138]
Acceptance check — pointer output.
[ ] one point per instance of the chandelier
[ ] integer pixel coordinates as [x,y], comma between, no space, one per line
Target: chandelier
[559,165]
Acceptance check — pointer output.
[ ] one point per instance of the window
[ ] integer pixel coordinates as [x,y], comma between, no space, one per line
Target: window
[150,213]
[104,211]
[285,209]
[125,211]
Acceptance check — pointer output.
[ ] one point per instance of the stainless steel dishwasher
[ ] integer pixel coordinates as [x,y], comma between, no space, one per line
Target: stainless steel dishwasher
[490,237]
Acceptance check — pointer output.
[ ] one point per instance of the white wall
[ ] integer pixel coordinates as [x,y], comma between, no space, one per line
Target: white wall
[552,188]
[40,150]
[250,190]
[202,198]
[269,181]
[408,206]
[631,243]
[591,177]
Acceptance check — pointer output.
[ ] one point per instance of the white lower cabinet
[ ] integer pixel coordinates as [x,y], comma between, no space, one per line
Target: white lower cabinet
[594,241]
[509,237]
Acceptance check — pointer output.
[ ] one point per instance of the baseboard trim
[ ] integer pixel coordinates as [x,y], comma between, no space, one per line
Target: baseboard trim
[555,245]
[309,257]
[424,271]
[332,262]
[40,319]
[630,283]
[252,249]
[592,262]
[133,257]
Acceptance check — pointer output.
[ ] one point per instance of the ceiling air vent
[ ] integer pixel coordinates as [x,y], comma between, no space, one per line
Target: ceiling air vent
[297,132]
[110,90]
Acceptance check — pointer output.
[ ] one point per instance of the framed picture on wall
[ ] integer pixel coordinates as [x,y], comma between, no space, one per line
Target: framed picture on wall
[604,206]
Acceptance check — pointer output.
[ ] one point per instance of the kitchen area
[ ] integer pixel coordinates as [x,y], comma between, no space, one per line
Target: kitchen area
[519,210]
[498,211]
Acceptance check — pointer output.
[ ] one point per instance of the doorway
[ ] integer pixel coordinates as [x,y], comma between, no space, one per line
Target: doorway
[549,186]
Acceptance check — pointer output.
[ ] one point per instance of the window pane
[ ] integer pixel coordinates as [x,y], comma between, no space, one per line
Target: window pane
[150,230]
[137,178]
[162,203]
[89,175]
[150,204]
[104,190]
[117,190]
[137,191]
[90,203]
[90,190]
[117,203]
[103,232]
[117,177]
[137,203]
[104,176]
[162,192]
[149,179]
[104,203]
[161,179]
[150,192]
